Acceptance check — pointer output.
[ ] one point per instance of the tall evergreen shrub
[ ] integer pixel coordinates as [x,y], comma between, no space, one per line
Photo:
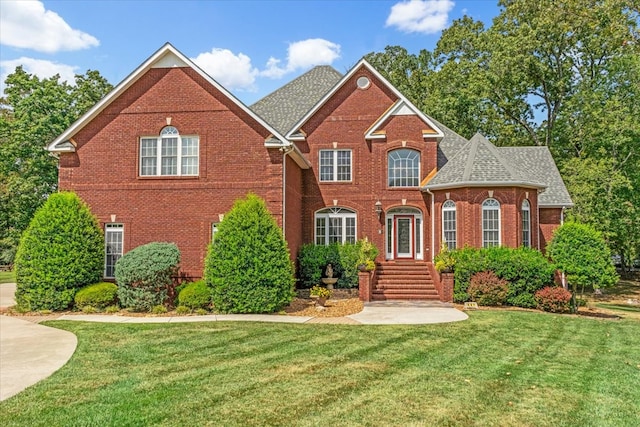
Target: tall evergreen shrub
[248,266]
[61,251]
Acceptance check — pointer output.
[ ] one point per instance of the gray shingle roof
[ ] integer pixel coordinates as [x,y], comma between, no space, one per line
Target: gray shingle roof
[480,163]
[537,162]
[284,107]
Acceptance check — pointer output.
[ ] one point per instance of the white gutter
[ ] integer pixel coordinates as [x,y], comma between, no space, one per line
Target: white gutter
[285,150]
[433,225]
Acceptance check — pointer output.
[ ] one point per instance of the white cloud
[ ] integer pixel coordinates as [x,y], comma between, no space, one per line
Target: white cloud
[27,25]
[230,70]
[303,54]
[41,68]
[420,16]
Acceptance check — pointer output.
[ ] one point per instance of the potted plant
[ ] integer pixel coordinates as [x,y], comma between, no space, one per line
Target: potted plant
[367,252]
[322,294]
[444,261]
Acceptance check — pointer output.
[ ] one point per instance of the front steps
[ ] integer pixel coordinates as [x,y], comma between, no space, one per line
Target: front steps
[404,280]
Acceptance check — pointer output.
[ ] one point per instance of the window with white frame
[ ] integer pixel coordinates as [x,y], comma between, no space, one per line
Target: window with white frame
[449,224]
[403,168]
[113,238]
[490,223]
[169,154]
[335,165]
[526,224]
[335,225]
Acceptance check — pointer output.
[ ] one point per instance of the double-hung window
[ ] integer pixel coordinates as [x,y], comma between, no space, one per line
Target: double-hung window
[335,225]
[403,168]
[449,224]
[113,238]
[526,224]
[169,154]
[335,165]
[490,223]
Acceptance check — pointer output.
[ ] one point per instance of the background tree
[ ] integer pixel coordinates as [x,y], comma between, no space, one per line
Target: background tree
[32,113]
[580,252]
[61,251]
[248,266]
[561,74]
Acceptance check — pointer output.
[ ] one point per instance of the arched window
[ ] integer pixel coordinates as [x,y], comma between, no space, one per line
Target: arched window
[490,223]
[526,224]
[169,154]
[335,225]
[404,168]
[449,224]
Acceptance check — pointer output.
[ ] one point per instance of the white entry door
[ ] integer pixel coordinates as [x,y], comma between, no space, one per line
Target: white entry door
[404,234]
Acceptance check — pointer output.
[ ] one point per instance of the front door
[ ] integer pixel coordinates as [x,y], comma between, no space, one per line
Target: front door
[404,236]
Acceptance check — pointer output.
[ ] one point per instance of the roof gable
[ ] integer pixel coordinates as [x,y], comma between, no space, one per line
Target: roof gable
[402,106]
[166,57]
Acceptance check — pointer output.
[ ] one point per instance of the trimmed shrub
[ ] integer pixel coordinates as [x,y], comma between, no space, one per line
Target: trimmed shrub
[195,295]
[526,270]
[583,255]
[145,274]
[60,252]
[555,299]
[487,289]
[344,258]
[248,266]
[100,295]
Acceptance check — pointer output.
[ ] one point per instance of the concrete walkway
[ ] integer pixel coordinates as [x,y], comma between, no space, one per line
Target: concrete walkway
[28,352]
[31,352]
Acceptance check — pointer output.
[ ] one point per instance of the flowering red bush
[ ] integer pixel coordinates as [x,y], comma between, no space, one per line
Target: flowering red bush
[486,288]
[554,299]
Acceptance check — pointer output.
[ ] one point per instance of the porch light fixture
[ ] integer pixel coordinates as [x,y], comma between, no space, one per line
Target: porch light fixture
[378,208]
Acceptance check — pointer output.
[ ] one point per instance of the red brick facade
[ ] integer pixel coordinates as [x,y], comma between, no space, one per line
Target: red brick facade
[104,170]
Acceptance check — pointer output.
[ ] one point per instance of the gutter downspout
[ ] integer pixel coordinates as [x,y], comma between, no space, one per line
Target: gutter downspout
[433,224]
[538,215]
[562,276]
[285,151]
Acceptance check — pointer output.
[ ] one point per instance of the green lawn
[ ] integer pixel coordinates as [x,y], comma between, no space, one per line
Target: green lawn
[7,277]
[504,368]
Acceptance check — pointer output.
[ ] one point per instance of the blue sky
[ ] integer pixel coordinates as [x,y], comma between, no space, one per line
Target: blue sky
[251,47]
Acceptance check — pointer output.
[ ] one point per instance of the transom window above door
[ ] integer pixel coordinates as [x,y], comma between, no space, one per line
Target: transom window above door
[335,225]
[335,165]
[169,154]
[403,168]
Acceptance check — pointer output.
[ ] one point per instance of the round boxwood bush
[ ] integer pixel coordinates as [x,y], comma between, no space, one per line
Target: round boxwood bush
[248,266]
[99,295]
[195,295]
[145,274]
[60,252]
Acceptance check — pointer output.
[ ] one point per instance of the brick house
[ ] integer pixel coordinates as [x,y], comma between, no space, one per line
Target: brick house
[336,158]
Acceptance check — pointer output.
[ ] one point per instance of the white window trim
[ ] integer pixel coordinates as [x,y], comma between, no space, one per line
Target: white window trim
[450,206]
[108,229]
[486,208]
[335,212]
[526,207]
[389,183]
[168,132]
[335,165]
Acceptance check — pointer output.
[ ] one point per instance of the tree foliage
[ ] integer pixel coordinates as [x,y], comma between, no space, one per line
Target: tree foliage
[580,252]
[561,74]
[61,251]
[33,112]
[248,266]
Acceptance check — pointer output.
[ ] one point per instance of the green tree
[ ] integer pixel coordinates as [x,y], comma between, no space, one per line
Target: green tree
[61,251]
[580,252]
[32,113]
[248,266]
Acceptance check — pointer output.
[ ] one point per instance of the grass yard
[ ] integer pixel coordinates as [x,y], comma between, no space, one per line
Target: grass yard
[7,277]
[499,368]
